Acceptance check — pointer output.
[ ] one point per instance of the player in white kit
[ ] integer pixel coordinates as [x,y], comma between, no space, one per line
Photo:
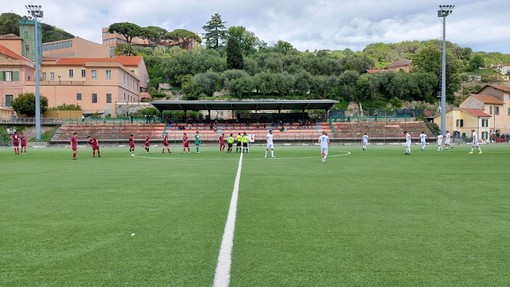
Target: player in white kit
[269,143]
[324,141]
[475,143]
[408,143]
[440,142]
[423,140]
[364,139]
[447,140]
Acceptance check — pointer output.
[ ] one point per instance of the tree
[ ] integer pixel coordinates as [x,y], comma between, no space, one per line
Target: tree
[24,104]
[183,38]
[475,63]
[153,34]
[9,23]
[126,29]
[429,60]
[215,32]
[234,55]
[247,40]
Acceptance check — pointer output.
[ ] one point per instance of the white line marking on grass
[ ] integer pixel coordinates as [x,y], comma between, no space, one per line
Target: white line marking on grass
[222,275]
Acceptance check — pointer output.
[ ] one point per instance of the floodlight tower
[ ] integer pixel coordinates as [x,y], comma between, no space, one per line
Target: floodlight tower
[443,12]
[35,12]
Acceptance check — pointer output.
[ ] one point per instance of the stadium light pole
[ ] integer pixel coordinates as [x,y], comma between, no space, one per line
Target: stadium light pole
[36,12]
[443,12]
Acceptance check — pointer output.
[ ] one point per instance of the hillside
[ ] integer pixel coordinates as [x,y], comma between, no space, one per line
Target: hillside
[9,24]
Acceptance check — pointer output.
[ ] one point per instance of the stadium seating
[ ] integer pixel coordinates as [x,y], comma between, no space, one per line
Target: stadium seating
[338,131]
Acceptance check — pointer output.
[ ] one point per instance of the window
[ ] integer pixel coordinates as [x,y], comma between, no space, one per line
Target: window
[490,110]
[52,76]
[44,76]
[9,76]
[93,74]
[459,123]
[485,123]
[108,98]
[71,73]
[496,111]
[78,96]
[27,49]
[8,100]
[509,111]
[108,74]
[83,73]
[485,135]
[94,98]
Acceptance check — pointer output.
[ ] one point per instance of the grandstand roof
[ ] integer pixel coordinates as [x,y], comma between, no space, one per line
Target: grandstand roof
[165,105]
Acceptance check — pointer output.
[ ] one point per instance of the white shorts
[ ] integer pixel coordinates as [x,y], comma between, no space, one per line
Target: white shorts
[269,146]
[324,150]
[447,142]
[407,144]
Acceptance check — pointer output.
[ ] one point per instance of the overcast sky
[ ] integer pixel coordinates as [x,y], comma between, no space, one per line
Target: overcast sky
[483,25]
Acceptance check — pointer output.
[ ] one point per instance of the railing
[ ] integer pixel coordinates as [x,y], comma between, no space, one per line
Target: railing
[30,121]
[370,118]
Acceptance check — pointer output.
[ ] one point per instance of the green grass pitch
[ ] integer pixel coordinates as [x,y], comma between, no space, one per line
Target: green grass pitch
[362,218]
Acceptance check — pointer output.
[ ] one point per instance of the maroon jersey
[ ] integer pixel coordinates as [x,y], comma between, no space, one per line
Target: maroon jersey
[222,142]
[74,142]
[23,140]
[165,140]
[185,141]
[131,141]
[93,143]
[15,140]
[147,141]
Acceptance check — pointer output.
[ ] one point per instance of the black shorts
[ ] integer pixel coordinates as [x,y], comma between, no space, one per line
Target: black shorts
[229,144]
[245,144]
[238,143]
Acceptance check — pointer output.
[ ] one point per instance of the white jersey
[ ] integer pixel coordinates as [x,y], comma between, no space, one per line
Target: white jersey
[269,140]
[324,140]
[423,137]
[439,139]
[365,139]
[447,138]
[475,138]
[408,140]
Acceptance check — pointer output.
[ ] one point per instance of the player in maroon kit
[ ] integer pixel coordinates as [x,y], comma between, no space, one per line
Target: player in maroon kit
[23,141]
[165,144]
[222,142]
[15,142]
[95,146]
[74,145]
[185,143]
[147,143]
[131,144]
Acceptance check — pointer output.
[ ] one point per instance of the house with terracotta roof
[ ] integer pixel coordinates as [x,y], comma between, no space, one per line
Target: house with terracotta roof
[15,70]
[96,84]
[397,66]
[487,112]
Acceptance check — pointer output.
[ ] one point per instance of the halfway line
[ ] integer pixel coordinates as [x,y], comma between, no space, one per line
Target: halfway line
[222,275]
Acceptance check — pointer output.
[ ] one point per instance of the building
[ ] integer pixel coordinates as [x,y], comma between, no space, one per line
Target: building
[95,84]
[397,66]
[26,32]
[75,48]
[15,71]
[487,112]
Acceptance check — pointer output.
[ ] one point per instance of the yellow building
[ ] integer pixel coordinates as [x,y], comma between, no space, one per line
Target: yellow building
[487,112]
[75,48]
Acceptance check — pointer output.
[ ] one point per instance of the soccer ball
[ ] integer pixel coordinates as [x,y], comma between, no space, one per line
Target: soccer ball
[132,155]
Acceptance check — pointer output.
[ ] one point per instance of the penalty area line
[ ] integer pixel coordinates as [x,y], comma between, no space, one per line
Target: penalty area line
[222,275]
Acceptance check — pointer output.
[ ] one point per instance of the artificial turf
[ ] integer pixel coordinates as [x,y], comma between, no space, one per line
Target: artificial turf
[362,218]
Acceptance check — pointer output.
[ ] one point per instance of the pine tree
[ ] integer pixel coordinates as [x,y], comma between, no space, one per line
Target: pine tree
[216,32]
[234,55]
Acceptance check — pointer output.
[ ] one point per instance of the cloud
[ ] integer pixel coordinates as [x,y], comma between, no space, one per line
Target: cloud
[306,24]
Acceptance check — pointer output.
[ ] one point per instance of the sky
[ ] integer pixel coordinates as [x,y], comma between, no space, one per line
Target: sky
[482,25]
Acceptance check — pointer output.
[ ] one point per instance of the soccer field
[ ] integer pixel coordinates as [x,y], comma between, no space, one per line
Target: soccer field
[362,218]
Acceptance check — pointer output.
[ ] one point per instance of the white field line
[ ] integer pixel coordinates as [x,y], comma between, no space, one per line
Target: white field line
[222,275]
